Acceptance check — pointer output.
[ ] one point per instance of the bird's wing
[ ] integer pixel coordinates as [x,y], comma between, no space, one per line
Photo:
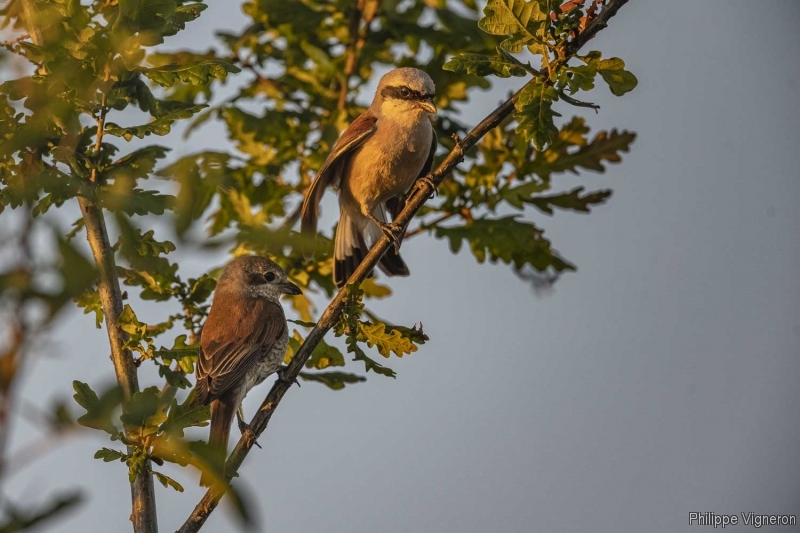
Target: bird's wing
[331,170]
[397,204]
[234,337]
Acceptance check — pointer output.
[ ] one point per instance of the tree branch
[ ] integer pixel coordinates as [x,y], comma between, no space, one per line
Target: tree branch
[143,514]
[414,201]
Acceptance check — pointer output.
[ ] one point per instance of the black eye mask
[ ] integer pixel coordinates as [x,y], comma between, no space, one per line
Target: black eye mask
[410,94]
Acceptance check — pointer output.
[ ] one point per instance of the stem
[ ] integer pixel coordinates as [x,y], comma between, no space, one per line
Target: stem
[414,201]
[143,513]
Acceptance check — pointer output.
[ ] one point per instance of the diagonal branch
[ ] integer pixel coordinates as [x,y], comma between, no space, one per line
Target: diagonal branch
[414,201]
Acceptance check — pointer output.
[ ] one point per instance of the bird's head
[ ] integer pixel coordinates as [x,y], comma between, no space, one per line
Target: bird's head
[256,277]
[405,90]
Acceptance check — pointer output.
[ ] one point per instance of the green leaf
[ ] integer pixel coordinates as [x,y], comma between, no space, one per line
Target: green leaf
[185,415]
[373,289]
[619,80]
[99,410]
[130,324]
[482,65]
[520,195]
[304,323]
[184,354]
[144,413]
[325,355]
[580,78]
[78,275]
[333,380]
[160,126]
[534,113]
[136,165]
[508,240]
[561,155]
[176,378]
[167,481]
[198,72]
[572,200]
[370,365]
[135,201]
[108,455]
[521,19]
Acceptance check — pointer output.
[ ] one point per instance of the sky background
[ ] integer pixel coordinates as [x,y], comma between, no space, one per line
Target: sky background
[659,379]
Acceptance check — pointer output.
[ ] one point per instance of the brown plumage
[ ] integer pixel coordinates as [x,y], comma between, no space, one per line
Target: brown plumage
[243,341]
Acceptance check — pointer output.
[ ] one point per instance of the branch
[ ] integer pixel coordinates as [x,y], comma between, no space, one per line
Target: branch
[143,514]
[414,201]
[357,40]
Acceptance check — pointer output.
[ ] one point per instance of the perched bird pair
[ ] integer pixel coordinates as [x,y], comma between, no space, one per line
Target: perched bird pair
[374,163]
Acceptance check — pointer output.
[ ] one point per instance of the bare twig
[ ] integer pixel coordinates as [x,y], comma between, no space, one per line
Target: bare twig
[414,201]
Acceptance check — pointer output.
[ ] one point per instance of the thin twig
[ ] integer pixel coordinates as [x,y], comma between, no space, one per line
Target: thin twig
[429,225]
[414,201]
[358,38]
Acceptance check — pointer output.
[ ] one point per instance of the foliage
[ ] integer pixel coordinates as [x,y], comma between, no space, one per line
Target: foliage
[94,81]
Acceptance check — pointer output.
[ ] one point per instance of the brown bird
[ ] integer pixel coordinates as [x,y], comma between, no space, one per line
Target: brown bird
[243,341]
[374,163]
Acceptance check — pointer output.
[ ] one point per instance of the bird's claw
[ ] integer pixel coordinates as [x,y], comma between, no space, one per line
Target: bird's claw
[428,182]
[391,230]
[246,431]
[281,372]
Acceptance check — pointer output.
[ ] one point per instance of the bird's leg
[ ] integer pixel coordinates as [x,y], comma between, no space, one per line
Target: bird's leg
[244,427]
[281,372]
[388,229]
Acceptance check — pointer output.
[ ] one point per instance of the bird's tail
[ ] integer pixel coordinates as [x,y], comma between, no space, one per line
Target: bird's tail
[222,414]
[350,248]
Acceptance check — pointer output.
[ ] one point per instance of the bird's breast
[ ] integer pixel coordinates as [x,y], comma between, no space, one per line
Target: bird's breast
[390,161]
[268,363]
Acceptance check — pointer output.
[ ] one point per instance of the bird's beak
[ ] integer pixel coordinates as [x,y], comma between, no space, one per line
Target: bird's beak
[428,106]
[287,287]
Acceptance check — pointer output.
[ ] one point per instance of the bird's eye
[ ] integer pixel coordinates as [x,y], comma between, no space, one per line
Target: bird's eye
[405,91]
[270,277]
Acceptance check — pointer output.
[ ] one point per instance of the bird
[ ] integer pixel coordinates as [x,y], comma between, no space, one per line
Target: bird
[242,342]
[374,163]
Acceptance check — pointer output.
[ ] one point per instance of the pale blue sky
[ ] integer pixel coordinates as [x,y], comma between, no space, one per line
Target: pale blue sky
[659,379]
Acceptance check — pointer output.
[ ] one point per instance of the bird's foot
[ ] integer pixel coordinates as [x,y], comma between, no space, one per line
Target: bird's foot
[281,372]
[428,182]
[246,431]
[391,230]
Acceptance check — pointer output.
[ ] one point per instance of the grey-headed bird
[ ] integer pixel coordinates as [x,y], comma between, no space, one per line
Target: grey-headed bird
[243,341]
[374,163]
